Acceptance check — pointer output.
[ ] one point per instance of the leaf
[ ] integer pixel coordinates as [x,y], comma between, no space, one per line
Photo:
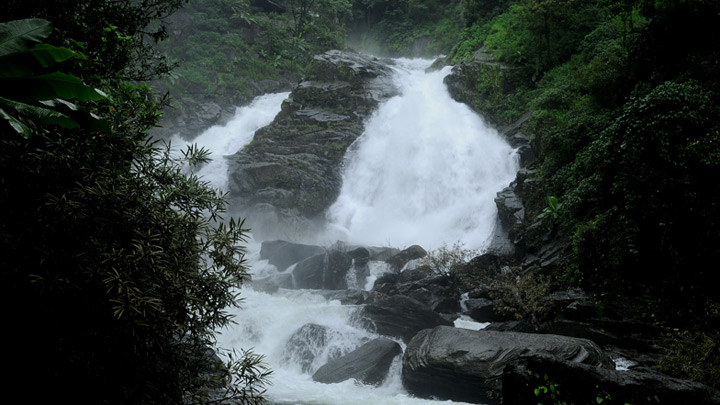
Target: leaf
[18,126]
[26,62]
[55,85]
[16,36]
[46,116]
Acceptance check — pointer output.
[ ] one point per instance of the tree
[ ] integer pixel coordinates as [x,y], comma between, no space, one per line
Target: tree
[115,36]
[117,267]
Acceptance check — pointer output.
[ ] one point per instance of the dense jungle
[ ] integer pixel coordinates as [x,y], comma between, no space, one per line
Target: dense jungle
[120,263]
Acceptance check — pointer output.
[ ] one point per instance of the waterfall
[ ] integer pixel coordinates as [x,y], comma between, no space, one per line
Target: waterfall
[425,172]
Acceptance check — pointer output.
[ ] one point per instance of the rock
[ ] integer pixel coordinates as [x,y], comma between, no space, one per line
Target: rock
[305,345]
[482,310]
[400,259]
[291,172]
[512,326]
[273,283]
[283,254]
[433,291]
[368,364]
[481,82]
[466,365]
[346,297]
[324,271]
[398,316]
[583,384]
[360,256]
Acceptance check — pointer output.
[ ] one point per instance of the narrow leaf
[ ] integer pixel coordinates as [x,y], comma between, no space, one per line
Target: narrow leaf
[16,36]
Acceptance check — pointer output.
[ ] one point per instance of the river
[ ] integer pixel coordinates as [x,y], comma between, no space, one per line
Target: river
[425,171]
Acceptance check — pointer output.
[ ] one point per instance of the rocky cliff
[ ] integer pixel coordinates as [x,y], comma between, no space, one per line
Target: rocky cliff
[291,171]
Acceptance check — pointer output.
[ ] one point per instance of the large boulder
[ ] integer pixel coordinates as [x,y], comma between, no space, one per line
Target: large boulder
[399,316]
[399,260]
[577,383]
[368,364]
[305,345]
[326,271]
[282,254]
[467,365]
[290,173]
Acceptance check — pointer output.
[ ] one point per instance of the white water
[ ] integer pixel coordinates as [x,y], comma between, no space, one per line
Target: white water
[426,171]
[227,139]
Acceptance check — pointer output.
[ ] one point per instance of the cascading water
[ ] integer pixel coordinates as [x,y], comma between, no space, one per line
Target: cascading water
[425,172]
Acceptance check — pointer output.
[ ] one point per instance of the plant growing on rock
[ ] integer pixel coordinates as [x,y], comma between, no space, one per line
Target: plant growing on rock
[449,262]
[522,295]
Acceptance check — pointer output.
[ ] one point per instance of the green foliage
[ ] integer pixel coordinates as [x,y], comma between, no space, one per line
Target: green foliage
[82,24]
[119,266]
[423,28]
[31,90]
[522,295]
[249,46]
[692,355]
[447,261]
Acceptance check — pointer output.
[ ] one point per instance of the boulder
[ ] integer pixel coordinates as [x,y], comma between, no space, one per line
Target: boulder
[578,383]
[324,271]
[399,260]
[482,310]
[399,316]
[433,291]
[290,173]
[368,364]
[282,254]
[273,283]
[467,365]
[305,345]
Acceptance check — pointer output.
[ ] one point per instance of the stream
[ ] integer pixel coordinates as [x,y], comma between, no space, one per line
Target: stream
[425,171]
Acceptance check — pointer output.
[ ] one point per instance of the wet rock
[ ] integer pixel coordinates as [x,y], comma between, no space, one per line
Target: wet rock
[324,271]
[290,173]
[305,345]
[583,384]
[466,365]
[400,259]
[283,254]
[368,364]
[398,316]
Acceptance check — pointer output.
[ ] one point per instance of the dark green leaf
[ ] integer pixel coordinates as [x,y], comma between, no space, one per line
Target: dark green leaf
[55,85]
[18,126]
[44,115]
[16,36]
[26,62]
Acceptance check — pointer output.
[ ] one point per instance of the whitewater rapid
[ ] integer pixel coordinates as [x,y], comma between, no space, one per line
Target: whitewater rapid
[425,171]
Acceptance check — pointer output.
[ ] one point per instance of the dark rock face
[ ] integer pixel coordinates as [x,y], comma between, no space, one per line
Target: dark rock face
[368,364]
[290,173]
[283,254]
[399,316]
[582,384]
[466,365]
